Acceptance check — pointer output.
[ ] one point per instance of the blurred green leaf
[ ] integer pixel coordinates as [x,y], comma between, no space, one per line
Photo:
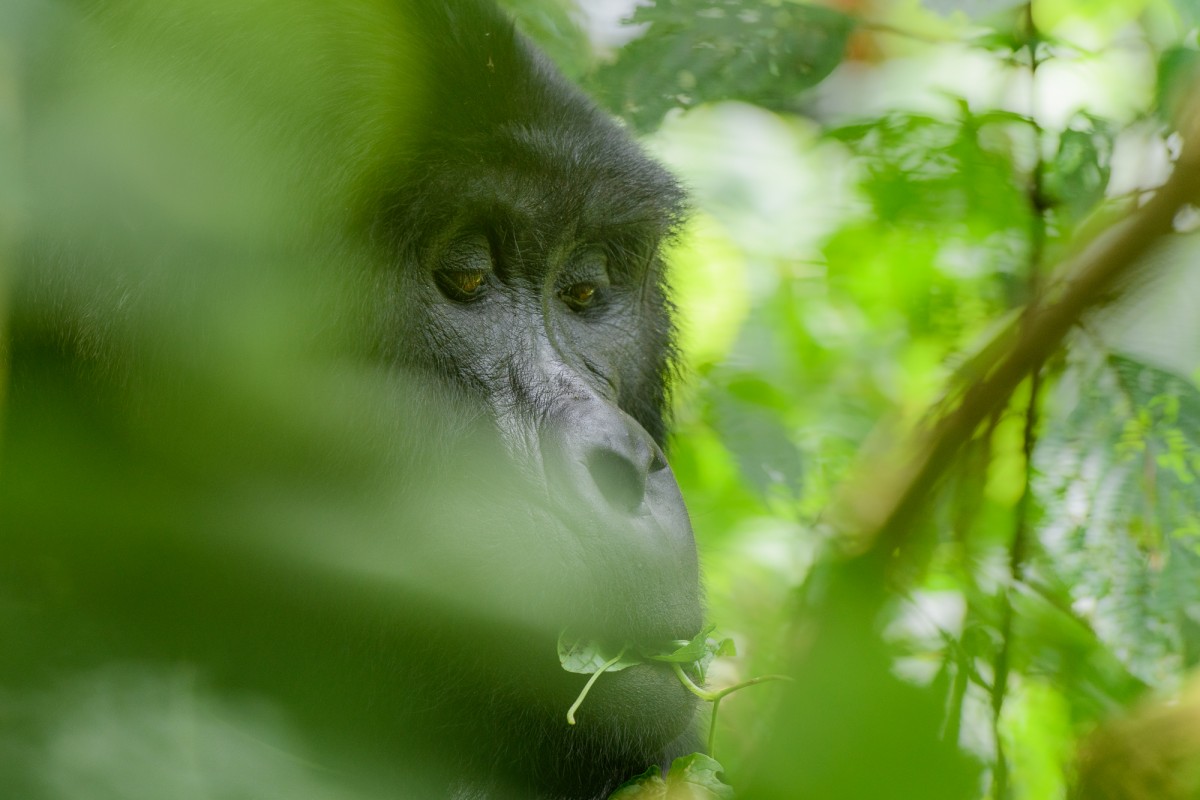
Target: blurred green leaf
[1178,70]
[747,415]
[1118,480]
[847,708]
[1077,176]
[691,777]
[555,26]
[701,51]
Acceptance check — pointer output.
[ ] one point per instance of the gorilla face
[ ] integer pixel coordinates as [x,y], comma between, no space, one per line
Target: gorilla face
[524,237]
[175,495]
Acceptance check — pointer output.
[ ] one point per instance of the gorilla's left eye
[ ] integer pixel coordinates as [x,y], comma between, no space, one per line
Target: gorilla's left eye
[579,295]
[461,270]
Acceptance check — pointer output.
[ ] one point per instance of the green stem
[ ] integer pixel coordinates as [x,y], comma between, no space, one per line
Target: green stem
[750,682]
[715,697]
[587,687]
[712,729]
[703,694]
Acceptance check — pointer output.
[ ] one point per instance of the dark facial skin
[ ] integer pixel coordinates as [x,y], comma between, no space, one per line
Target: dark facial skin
[513,483]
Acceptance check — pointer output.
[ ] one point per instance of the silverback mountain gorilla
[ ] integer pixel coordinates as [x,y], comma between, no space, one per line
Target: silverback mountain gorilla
[337,372]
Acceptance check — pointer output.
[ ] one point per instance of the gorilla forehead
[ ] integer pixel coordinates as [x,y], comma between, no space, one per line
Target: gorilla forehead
[593,176]
[541,182]
[501,126]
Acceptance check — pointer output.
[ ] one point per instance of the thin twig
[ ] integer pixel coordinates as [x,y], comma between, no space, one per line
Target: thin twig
[1039,204]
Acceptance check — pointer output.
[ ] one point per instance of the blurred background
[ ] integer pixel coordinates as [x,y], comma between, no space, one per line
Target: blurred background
[880,187]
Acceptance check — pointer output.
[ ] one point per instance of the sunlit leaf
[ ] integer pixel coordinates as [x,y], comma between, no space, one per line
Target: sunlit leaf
[693,777]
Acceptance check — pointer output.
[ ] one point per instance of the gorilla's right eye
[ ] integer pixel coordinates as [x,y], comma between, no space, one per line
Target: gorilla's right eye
[462,285]
[463,267]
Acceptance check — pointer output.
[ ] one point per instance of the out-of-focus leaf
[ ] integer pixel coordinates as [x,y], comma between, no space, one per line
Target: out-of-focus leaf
[1189,10]
[1078,174]
[1118,477]
[691,777]
[1103,15]
[1178,69]
[698,51]
[748,416]
[847,710]
[984,10]
[921,170]
[1037,731]
[711,294]
[554,25]
[1052,641]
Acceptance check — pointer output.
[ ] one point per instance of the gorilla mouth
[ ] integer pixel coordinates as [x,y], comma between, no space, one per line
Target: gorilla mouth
[589,657]
[579,653]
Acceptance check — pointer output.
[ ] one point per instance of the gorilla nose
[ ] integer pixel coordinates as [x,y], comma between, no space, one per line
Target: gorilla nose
[601,452]
[620,471]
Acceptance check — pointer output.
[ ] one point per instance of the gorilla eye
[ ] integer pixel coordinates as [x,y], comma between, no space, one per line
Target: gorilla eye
[462,268]
[462,285]
[579,295]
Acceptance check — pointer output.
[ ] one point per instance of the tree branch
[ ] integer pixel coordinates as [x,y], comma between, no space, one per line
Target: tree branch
[875,511]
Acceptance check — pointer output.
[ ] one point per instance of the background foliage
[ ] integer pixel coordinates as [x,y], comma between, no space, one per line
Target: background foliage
[879,186]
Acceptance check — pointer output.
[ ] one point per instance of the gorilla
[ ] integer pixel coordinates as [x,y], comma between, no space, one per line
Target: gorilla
[339,360]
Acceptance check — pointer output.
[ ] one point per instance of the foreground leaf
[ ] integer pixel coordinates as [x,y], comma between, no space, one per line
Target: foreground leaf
[586,656]
[687,652]
[691,777]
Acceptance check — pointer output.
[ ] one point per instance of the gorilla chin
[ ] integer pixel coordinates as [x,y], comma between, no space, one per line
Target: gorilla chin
[627,715]
[646,706]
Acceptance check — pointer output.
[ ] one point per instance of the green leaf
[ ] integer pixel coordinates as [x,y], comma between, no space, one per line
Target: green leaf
[642,787]
[698,773]
[1178,68]
[748,414]
[691,777]
[1078,175]
[689,652]
[554,25]
[695,52]
[714,648]
[586,656]
[1118,474]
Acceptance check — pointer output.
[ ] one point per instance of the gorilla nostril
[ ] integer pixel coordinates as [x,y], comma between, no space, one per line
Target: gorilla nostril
[657,460]
[619,481]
